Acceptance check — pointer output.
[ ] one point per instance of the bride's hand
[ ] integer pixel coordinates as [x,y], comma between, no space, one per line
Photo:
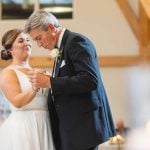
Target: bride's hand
[37,70]
[39,78]
[42,71]
[35,89]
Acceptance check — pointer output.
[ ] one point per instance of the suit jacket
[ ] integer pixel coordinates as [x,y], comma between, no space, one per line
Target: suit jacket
[82,114]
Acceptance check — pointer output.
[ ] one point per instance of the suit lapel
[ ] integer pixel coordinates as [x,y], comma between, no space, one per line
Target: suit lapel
[54,67]
[59,61]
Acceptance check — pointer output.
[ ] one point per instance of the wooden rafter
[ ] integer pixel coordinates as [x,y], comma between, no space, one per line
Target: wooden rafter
[146,6]
[141,26]
[145,26]
[130,16]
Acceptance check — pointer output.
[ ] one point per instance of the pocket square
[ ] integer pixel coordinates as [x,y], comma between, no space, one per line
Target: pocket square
[62,64]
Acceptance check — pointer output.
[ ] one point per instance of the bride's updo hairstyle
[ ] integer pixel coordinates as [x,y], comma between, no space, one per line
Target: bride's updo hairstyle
[7,41]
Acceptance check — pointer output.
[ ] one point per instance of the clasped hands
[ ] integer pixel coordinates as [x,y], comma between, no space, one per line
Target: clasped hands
[39,79]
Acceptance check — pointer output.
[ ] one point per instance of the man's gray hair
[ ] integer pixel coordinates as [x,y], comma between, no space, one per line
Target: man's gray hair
[40,19]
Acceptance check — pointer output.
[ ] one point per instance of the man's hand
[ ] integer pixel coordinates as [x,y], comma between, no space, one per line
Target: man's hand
[39,78]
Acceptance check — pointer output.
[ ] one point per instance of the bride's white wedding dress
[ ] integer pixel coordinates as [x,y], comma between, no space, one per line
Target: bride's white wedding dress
[27,128]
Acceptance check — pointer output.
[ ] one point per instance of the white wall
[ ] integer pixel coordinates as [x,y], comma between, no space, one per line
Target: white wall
[103,22]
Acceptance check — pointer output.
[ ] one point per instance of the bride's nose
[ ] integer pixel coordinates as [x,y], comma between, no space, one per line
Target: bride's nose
[27,43]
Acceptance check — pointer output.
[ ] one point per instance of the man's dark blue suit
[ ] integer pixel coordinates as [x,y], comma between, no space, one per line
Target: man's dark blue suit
[79,110]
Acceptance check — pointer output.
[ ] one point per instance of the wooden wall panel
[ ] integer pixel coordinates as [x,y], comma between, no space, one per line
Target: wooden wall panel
[104,61]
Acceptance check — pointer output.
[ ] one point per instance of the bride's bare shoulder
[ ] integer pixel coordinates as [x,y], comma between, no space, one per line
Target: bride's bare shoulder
[7,72]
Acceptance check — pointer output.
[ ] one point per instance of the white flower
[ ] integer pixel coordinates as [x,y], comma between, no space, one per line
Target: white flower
[54,53]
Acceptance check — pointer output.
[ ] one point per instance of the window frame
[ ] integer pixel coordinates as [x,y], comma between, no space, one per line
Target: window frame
[37,5]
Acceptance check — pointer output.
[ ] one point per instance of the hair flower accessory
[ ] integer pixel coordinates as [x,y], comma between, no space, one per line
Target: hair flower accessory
[55,53]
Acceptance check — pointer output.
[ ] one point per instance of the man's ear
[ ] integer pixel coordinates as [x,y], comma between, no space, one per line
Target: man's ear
[52,28]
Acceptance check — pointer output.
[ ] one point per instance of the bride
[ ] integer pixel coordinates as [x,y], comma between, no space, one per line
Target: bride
[28,125]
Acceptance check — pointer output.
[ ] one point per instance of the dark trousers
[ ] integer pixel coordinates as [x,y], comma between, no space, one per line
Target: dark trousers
[93,148]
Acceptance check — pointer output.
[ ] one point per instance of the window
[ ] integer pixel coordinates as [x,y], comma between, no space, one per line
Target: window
[21,9]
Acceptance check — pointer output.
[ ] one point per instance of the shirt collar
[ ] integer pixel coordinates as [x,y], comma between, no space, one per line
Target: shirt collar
[60,37]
